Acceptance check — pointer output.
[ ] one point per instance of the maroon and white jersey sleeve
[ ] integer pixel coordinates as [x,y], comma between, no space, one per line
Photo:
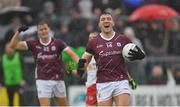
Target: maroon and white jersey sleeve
[90,46]
[108,56]
[49,66]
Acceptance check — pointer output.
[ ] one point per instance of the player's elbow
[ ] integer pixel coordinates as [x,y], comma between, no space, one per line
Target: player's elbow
[12,46]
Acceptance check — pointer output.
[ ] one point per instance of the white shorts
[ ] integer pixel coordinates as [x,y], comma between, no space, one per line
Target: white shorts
[107,90]
[50,88]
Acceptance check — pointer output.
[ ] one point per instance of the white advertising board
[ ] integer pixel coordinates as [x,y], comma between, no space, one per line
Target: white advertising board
[142,96]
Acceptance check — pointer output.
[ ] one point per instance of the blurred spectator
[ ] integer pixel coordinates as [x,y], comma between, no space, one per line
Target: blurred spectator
[129,33]
[157,41]
[173,29]
[154,61]
[90,27]
[170,78]
[119,18]
[141,28]
[177,75]
[105,4]
[83,36]
[96,13]
[85,7]
[156,77]
[121,23]
[64,34]
[33,4]
[29,20]
[174,4]
[100,4]
[16,22]
[77,25]
[48,14]
[9,3]
[12,72]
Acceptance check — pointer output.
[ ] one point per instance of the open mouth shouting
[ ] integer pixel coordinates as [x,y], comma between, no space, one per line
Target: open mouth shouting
[107,27]
[106,23]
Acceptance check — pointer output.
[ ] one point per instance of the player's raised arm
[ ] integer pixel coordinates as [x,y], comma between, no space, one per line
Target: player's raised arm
[15,43]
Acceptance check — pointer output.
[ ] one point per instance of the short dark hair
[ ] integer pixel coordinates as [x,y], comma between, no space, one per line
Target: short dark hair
[42,23]
[106,13]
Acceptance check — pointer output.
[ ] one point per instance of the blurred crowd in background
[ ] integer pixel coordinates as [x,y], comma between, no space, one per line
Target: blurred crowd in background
[73,20]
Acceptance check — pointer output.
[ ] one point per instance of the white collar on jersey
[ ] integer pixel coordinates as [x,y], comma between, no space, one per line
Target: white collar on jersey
[107,38]
[45,44]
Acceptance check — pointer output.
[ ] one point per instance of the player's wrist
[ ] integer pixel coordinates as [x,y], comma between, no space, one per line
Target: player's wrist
[81,67]
[133,84]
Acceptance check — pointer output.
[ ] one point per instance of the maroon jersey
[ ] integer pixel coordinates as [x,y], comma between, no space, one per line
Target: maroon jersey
[108,56]
[49,66]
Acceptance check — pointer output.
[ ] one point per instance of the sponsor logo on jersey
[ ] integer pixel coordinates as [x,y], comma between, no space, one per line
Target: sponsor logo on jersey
[38,47]
[118,44]
[46,49]
[99,46]
[102,53]
[41,56]
[109,44]
[53,48]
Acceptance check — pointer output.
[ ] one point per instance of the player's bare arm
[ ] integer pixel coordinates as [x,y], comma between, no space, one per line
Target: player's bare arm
[15,43]
[72,55]
[87,57]
[132,82]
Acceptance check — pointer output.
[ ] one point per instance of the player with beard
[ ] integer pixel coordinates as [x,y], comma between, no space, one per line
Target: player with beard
[49,70]
[112,76]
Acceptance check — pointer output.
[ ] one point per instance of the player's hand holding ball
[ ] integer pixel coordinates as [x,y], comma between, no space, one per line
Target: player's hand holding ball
[136,54]
[132,52]
[22,28]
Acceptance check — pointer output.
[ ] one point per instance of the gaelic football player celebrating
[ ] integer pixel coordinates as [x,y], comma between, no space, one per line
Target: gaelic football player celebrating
[49,67]
[112,76]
